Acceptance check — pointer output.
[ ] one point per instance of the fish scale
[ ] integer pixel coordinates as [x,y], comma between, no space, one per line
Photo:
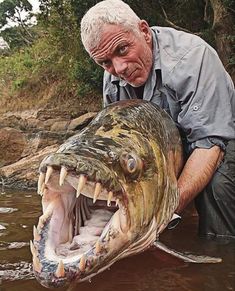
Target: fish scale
[127,160]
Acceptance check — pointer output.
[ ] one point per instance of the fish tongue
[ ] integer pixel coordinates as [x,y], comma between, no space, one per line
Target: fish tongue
[59,229]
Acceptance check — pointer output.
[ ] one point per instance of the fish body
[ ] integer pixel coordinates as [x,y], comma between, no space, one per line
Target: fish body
[106,192]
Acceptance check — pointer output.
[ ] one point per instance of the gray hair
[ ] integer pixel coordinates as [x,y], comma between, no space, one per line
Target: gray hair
[106,12]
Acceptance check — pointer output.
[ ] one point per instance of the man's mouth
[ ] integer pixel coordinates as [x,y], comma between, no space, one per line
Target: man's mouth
[130,76]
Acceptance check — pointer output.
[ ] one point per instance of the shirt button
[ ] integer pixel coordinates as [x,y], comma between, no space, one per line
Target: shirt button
[195,108]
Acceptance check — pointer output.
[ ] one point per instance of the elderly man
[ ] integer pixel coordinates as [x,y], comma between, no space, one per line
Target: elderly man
[181,73]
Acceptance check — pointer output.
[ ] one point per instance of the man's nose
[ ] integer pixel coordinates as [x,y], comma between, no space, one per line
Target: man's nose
[119,65]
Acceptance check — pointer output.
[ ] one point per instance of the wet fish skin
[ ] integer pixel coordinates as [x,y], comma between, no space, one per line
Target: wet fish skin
[131,149]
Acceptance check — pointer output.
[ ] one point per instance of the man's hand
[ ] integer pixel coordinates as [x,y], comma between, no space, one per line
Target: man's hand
[196,173]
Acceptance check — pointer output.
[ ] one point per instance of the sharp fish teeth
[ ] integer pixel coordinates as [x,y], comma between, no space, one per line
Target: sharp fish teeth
[81,184]
[60,270]
[98,188]
[110,196]
[48,173]
[43,218]
[36,264]
[48,211]
[117,202]
[42,189]
[97,247]
[41,222]
[82,263]
[40,182]
[107,236]
[36,234]
[63,174]
[33,249]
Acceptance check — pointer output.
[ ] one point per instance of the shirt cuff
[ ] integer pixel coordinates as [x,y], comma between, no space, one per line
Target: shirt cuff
[209,142]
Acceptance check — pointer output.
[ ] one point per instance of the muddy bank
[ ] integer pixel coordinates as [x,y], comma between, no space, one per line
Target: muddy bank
[28,136]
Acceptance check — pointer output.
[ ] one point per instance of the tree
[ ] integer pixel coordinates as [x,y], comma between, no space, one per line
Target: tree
[213,20]
[223,28]
[12,11]
[210,19]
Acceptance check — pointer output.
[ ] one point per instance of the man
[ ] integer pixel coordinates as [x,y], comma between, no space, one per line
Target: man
[182,74]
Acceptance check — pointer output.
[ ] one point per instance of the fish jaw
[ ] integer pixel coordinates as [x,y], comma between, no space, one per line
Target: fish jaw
[125,232]
[125,165]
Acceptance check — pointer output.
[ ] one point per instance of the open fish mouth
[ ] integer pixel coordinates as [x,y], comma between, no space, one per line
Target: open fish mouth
[83,221]
[106,192]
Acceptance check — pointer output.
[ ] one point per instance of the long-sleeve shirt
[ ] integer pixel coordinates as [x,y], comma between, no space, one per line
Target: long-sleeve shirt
[188,80]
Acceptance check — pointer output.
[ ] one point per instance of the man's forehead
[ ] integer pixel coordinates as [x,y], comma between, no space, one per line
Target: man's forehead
[109,27]
[111,37]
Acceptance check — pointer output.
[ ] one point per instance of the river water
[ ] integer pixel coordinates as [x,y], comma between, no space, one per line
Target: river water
[149,271]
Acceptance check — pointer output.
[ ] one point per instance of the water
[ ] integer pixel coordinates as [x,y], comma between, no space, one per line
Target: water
[150,271]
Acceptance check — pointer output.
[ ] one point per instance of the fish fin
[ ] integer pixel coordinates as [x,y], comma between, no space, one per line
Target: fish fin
[189,258]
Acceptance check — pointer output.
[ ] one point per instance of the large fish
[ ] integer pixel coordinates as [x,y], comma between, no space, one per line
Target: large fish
[106,193]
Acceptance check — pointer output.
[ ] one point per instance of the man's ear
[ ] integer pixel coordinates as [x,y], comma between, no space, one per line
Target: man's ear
[145,30]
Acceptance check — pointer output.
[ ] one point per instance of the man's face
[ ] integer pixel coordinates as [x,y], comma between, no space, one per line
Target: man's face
[126,55]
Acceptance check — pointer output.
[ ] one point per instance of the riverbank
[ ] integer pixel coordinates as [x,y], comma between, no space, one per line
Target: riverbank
[27,136]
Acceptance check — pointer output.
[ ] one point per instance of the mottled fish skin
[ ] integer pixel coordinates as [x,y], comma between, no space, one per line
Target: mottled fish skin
[132,152]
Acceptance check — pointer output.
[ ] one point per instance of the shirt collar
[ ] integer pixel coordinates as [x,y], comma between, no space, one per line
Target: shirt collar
[121,82]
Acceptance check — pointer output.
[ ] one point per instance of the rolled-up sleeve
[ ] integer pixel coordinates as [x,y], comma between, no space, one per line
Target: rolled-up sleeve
[205,94]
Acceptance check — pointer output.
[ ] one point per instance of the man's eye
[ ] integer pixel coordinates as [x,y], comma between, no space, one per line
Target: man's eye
[105,63]
[123,50]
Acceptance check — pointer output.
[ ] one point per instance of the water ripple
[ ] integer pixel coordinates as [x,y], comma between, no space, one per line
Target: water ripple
[12,245]
[7,210]
[2,227]
[16,271]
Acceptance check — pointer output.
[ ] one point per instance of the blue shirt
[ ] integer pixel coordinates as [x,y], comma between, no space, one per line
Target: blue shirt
[189,81]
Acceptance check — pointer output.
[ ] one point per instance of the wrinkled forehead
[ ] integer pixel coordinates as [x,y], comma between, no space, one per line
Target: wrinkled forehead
[109,37]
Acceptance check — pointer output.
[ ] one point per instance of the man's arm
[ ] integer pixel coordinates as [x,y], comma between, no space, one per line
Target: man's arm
[196,173]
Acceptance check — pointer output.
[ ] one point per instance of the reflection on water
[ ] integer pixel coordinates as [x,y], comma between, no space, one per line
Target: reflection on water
[150,271]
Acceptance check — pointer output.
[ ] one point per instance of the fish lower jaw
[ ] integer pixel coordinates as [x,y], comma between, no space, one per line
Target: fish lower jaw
[78,257]
[82,224]
[56,271]
[92,240]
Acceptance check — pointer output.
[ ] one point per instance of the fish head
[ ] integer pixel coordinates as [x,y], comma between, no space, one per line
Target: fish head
[105,193]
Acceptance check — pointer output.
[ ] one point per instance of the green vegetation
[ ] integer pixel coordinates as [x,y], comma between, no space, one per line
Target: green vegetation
[53,70]
[47,65]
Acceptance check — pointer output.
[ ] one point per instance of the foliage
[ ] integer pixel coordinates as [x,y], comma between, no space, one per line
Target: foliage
[56,57]
[62,21]
[90,74]
[12,11]
[19,67]
[12,35]
[229,4]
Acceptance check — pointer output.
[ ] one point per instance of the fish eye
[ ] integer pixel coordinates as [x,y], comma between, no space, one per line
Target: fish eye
[131,165]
